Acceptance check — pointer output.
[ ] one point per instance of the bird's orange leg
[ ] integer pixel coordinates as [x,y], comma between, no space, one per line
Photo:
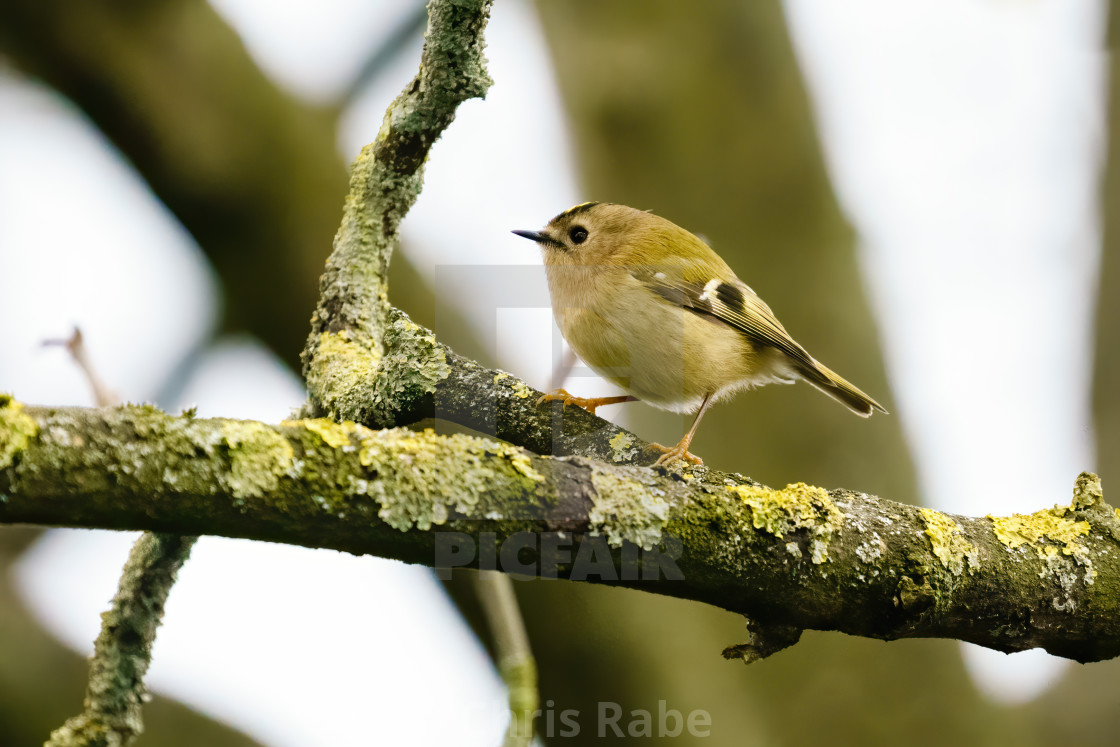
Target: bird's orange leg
[680,451]
[587,403]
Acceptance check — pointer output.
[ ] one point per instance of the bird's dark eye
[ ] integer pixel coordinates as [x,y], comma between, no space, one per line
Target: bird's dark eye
[578,234]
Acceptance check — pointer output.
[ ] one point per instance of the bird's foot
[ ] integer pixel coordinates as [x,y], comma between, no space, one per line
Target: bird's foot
[680,451]
[587,403]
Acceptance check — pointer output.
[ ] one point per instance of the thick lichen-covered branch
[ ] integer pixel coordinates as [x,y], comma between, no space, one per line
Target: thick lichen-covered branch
[350,325]
[417,378]
[122,651]
[796,558]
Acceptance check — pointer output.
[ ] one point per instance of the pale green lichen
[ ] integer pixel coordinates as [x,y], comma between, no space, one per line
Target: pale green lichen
[259,458]
[624,509]
[520,676]
[795,507]
[421,476]
[1087,491]
[948,542]
[16,429]
[624,447]
[1051,524]
[414,365]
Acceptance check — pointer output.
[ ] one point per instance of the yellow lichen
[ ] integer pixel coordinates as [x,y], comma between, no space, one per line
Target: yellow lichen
[520,390]
[1050,524]
[341,365]
[335,435]
[259,457]
[947,539]
[335,345]
[796,506]
[16,429]
[521,462]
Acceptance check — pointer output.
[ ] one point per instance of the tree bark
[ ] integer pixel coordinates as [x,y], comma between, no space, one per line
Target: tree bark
[791,559]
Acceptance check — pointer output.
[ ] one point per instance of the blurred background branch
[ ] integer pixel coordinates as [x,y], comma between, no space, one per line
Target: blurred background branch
[1106,374]
[513,654]
[76,347]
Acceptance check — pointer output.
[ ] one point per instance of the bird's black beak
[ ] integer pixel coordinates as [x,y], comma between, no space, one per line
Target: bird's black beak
[541,238]
[537,236]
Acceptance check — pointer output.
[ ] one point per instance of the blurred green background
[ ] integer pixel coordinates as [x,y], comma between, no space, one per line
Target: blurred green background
[647,86]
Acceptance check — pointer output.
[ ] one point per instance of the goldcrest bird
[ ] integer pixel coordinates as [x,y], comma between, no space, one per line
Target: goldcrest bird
[651,308]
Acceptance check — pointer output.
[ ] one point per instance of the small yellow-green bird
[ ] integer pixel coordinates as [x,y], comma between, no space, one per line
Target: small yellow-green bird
[650,307]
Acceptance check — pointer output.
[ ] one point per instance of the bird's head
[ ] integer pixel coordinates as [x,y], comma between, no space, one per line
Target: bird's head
[595,233]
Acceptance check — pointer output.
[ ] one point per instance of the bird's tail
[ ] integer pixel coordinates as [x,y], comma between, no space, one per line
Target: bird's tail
[831,383]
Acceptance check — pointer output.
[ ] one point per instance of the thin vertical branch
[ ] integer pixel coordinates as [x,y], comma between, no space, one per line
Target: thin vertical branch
[515,659]
[345,358]
[123,650]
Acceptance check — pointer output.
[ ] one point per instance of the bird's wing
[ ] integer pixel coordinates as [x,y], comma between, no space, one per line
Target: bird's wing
[707,286]
[731,301]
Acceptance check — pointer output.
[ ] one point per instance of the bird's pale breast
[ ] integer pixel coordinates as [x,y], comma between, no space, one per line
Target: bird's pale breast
[665,355]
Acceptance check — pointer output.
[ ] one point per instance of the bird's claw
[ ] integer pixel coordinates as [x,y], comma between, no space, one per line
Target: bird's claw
[680,451]
[587,403]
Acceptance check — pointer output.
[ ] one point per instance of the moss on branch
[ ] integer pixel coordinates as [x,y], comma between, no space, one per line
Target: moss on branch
[795,558]
[346,356]
[123,649]
[368,362]
[16,429]
[414,377]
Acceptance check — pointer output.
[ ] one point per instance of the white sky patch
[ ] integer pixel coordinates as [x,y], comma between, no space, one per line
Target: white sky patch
[293,646]
[314,49]
[238,377]
[84,242]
